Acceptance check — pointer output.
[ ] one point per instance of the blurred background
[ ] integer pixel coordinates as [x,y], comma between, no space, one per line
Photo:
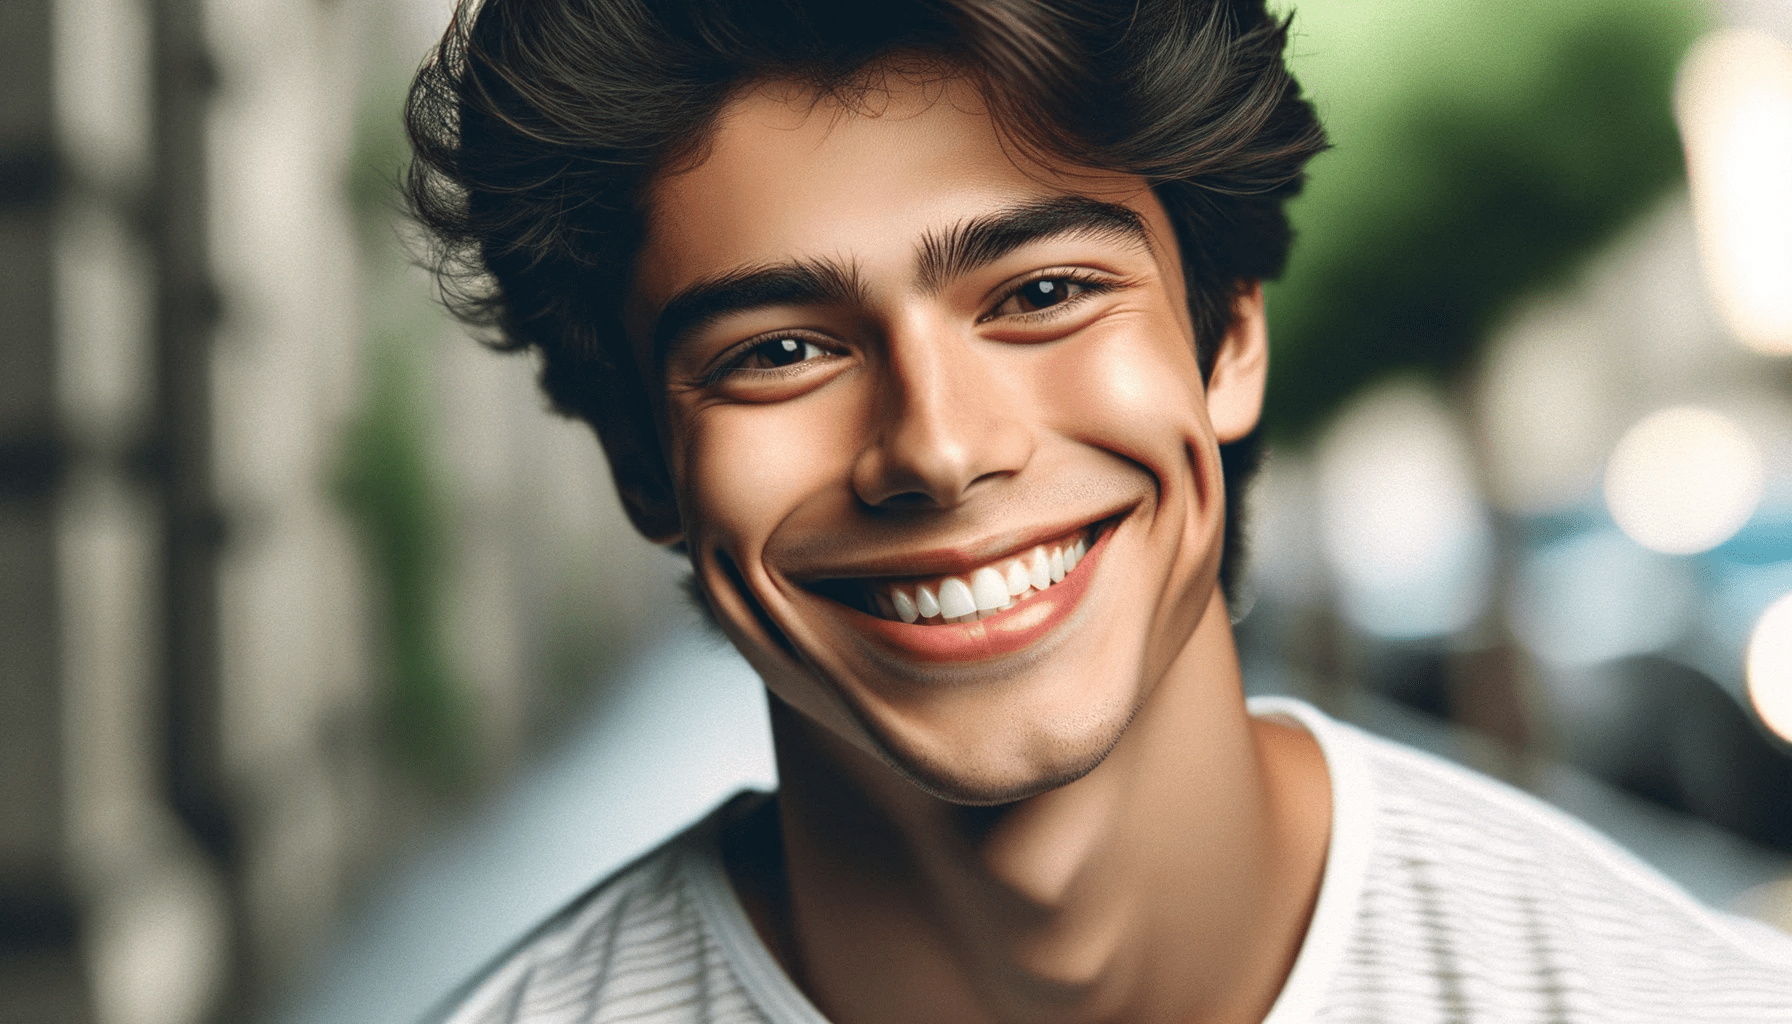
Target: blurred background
[328,663]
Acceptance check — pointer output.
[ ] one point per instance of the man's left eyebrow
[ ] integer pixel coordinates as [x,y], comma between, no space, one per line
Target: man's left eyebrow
[980,241]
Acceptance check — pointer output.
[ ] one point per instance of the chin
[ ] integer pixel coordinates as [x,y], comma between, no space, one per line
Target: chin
[1007,769]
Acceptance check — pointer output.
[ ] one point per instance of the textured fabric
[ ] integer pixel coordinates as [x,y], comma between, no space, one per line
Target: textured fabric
[1447,897]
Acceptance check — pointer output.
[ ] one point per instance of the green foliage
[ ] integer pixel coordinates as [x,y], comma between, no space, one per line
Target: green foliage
[1482,150]
[385,483]
[384,478]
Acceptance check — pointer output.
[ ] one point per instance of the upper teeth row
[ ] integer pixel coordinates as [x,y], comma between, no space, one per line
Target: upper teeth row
[990,589]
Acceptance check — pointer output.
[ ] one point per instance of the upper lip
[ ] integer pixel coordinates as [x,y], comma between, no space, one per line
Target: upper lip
[952,559]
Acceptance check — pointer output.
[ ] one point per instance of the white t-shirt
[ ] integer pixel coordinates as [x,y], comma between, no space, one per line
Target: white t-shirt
[1447,897]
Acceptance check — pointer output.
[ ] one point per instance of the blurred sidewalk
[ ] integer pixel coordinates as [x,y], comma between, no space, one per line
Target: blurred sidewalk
[687,729]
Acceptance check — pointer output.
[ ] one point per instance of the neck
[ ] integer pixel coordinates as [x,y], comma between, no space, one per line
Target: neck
[1172,883]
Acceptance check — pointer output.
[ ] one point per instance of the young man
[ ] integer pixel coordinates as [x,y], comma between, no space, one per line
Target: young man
[922,327]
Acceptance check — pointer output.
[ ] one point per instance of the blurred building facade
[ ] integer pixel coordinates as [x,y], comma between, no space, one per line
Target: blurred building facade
[151,882]
[202,675]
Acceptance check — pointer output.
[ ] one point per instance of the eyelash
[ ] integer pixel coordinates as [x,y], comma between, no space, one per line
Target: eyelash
[1088,284]
[730,364]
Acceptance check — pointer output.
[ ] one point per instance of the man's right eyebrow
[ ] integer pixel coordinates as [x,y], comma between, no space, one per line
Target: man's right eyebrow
[806,282]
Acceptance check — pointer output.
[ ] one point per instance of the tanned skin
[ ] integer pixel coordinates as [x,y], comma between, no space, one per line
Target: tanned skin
[1059,814]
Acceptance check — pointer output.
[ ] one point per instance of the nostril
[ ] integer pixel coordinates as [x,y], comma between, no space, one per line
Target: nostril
[923,467]
[909,500]
[993,475]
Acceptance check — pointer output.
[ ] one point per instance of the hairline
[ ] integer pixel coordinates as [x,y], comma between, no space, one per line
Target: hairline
[930,68]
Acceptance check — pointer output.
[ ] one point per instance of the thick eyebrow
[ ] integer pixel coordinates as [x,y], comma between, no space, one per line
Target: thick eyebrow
[980,241]
[805,282]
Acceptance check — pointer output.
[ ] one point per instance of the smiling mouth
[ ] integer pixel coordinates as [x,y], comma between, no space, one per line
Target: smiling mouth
[988,589]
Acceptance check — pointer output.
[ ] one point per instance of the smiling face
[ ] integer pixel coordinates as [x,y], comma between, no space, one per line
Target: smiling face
[906,379]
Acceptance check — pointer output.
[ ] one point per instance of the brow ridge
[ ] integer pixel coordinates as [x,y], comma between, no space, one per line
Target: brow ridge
[975,243]
[940,257]
[798,282]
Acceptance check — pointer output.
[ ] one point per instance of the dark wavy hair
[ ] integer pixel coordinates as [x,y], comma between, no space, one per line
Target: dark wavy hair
[538,125]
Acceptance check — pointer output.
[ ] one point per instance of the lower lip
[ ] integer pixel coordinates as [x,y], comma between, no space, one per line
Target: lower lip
[1001,634]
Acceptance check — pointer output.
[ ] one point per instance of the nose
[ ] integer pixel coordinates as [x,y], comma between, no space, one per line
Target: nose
[947,420]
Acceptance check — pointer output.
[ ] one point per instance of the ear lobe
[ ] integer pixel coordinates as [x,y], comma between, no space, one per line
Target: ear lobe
[1240,369]
[642,484]
[655,519]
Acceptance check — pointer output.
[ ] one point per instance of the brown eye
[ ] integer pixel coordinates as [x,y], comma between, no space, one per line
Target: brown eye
[1040,294]
[779,352]
[1044,292]
[754,363]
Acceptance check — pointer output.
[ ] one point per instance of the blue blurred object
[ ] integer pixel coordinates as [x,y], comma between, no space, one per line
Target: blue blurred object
[1595,595]
[687,728]
[1765,539]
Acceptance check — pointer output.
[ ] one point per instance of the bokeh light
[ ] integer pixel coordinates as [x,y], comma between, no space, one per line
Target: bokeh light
[1400,519]
[1734,104]
[1683,480]
[1545,402]
[1770,667]
[1595,596]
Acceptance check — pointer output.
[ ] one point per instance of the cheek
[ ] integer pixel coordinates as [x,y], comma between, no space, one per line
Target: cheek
[743,469]
[1134,389]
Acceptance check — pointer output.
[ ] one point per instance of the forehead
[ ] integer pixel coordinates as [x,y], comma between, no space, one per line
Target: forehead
[788,175]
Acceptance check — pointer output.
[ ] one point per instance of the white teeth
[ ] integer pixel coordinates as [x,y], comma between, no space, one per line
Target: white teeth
[956,600]
[905,606]
[988,589]
[926,603]
[1016,578]
[991,589]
